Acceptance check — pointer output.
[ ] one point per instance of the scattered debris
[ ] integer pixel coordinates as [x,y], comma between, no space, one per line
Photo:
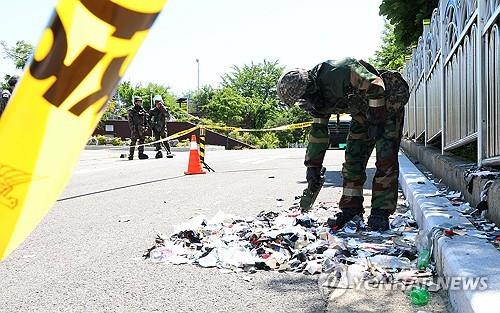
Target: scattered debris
[124,219]
[483,228]
[288,240]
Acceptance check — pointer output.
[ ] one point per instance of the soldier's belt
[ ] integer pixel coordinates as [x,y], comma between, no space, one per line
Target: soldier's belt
[376,103]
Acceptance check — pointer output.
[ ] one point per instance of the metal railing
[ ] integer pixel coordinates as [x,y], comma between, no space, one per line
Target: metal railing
[454,78]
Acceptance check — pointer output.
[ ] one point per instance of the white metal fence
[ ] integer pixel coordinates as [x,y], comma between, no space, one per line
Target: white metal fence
[454,78]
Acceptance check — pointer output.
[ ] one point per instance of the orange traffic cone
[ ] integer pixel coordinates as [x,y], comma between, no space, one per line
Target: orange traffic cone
[194,165]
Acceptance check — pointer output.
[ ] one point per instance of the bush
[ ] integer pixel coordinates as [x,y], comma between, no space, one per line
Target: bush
[117,141]
[101,140]
[268,141]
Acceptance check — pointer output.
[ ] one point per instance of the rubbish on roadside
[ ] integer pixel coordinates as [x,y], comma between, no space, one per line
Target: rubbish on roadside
[419,296]
[288,240]
[423,259]
[389,261]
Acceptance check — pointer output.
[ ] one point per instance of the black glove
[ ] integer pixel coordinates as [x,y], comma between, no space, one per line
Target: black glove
[375,131]
[315,177]
[376,120]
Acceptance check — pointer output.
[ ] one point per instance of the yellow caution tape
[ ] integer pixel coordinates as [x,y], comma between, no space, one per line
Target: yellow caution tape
[238,129]
[173,136]
[82,55]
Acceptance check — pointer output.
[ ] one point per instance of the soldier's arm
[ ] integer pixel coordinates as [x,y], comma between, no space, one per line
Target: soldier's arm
[130,120]
[150,118]
[166,112]
[318,141]
[2,106]
[374,88]
[372,84]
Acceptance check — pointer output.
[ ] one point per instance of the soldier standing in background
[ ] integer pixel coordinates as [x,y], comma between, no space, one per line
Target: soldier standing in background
[137,117]
[158,117]
[7,93]
[376,102]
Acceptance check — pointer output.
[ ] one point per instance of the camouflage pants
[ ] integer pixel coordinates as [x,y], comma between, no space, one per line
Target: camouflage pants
[358,151]
[137,136]
[165,144]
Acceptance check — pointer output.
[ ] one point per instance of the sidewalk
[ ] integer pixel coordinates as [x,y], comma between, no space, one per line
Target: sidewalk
[456,256]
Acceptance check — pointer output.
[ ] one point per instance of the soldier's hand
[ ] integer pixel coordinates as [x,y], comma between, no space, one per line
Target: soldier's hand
[315,177]
[376,119]
[375,131]
[377,115]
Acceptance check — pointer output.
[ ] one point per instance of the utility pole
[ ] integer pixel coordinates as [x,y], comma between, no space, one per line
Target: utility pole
[198,63]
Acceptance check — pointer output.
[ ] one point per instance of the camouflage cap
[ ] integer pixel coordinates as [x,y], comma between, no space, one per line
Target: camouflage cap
[292,85]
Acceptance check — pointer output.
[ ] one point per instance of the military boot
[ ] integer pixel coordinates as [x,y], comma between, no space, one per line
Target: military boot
[315,178]
[337,222]
[130,156]
[379,220]
[158,155]
[143,156]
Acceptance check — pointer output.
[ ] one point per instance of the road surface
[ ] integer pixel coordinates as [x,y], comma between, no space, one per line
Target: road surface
[85,256]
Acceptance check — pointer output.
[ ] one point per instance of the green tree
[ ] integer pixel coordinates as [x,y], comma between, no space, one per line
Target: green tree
[407,17]
[247,97]
[202,97]
[286,117]
[19,54]
[125,92]
[257,80]
[226,106]
[391,55]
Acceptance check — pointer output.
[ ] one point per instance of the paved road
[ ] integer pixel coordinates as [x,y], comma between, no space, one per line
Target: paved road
[81,258]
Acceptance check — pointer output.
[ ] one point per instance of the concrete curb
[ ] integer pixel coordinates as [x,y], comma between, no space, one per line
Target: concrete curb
[458,256]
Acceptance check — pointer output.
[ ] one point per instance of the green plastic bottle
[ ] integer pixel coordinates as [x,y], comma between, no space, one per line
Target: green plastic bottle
[419,296]
[424,257]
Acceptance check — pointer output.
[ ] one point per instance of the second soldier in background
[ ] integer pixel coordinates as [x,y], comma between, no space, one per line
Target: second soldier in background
[158,117]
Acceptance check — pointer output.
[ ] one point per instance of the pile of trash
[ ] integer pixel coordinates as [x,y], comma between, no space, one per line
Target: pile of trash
[288,240]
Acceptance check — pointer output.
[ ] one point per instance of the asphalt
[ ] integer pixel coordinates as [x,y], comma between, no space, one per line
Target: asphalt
[85,256]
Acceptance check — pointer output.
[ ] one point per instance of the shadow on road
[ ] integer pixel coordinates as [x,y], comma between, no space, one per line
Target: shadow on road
[121,187]
[290,286]
[334,178]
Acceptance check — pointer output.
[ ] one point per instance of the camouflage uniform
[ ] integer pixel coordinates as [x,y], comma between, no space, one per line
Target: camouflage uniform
[157,120]
[4,98]
[137,117]
[7,93]
[376,103]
